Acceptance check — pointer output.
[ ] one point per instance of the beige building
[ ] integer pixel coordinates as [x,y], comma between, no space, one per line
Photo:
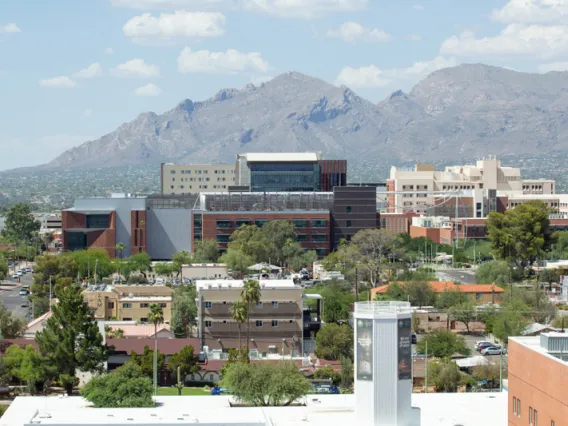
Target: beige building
[417,189]
[204,270]
[181,179]
[278,322]
[129,302]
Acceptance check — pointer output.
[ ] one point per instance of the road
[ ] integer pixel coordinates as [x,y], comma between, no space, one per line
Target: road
[11,299]
[463,276]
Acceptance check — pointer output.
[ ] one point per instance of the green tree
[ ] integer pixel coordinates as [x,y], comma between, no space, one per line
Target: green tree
[145,360]
[328,373]
[443,344]
[206,252]
[463,312]
[496,271]
[27,366]
[262,384]
[5,376]
[125,387]
[139,262]
[450,298]
[488,316]
[347,376]
[164,269]
[415,323]
[520,234]
[338,297]
[186,360]
[156,317]
[88,261]
[179,259]
[239,314]
[3,268]
[120,248]
[334,341]
[71,340]
[511,321]
[236,260]
[445,375]
[560,322]
[11,327]
[420,293]
[250,294]
[184,310]
[20,224]
[235,356]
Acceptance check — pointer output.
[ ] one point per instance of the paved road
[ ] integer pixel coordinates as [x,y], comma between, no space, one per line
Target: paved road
[11,298]
[465,277]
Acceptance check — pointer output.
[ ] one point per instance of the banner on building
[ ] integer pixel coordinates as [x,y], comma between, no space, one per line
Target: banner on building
[364,349]
[404,349]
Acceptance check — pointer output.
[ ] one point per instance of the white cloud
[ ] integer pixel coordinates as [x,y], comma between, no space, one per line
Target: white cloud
[171,25]
[220,62]
[136,68]
[303,8]
[418,7]
[168,4]
[10,28]
[414,37]
[88,112]
[351,32]
[532,11]
[553,66]
[93,70]
[108,51]
[372,76]
[148,90]
[532,41]
[62,82]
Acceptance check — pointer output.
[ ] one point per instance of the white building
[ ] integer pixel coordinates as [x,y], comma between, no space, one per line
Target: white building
[204,270]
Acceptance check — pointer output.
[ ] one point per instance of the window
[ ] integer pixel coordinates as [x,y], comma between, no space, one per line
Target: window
[211,377]
[348,224]
[478,296]
[98,221]
[552,423]
[127,305]
[208,305]
[143,320]
[274,304]
[144,305]
[300,223]
[260,222]
[518,408]
[207,324]
[126,319]
[163,305]
[535,418]
[319,223]
[224,224]
[223,238]
[173,172]
[514,405]
[530,416]
[302,237]
[241,222]
[259,305]
[348,209]
[320,238]
[110,305]
[274,323]
[258,323]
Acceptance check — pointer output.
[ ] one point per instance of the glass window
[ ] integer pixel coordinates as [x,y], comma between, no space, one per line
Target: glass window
[274,323]
[514,405]
[302,237]
[258,323]
[348,224]
[274,304]
[224,224]
[144,305]
[208,305]
[127,305]
[223,238]
[530,415]
[319,223]
[259,305]
[98,221]
[143,320]
[241,222]
[163,305]
[321,252]
[207,324]
[348,209]
[110,305]
[300,223]
[260,222]
[277,177]
[76,241]
[319,238]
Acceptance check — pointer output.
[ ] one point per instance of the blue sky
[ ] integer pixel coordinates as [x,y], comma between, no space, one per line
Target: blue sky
[74,70]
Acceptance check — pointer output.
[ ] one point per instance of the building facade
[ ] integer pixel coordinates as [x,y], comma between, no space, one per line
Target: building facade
[537,380]
[279,323]
[354,209]
[181,179]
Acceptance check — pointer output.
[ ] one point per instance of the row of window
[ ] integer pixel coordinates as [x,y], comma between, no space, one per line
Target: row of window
[259,323]
[204,172]
[298,223]
[533,413]
[444,187]
[411,187]
[129,305]
[274,304]
[316,238]
[200,187]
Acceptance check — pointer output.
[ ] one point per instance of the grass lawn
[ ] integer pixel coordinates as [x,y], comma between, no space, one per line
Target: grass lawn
[482,249]
[185,392]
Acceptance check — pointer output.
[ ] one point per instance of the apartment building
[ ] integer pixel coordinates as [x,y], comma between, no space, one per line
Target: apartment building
[180,179]
[538,369]
[279,323]
[129,302]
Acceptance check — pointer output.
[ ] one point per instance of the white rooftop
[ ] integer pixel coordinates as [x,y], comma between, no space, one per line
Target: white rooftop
[225,284]
[533,343]
[474,361]
[437,409]
[275,157]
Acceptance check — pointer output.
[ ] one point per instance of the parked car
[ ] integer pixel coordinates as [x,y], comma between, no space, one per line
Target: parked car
[26,304]
[23,292]
[484,345]
[492,350]
[15,276]
[20,273]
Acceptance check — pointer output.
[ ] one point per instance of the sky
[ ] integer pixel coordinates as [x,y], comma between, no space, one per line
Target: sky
[72,71]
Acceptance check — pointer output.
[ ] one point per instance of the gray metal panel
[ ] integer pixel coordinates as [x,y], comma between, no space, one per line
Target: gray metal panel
[122,206]
[168,231]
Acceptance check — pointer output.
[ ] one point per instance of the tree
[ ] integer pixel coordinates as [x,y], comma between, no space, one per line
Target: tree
[186,360]
[91,261]
[339,299]
[120,248]
[235,356]
[463,312]
[156,317]
[496,271]
[114,333]
[184,310]
[11,327]
[27,366]
[415,322]
[420,293]
[139,262]
[239,314]
[146,361]
[509,322]
[20,225]
[71,340]
[249,295]
[206,252]
[179,259]
[560,322]
[450,298]
[445,375]
[3,268]
[443,343]
[489,372]
[263,384]
[164,269]
[4,374]
[328,373]
[236,260]
[519,235]
[347,377]
[334,341]
[125,387]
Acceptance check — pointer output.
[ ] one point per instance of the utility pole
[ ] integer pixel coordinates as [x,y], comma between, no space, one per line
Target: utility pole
[426,368]
[96,264]
[356,284]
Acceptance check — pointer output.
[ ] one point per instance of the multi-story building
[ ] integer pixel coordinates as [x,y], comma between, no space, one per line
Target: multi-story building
[279,323]
[538,370]
[180,179]
[128,303]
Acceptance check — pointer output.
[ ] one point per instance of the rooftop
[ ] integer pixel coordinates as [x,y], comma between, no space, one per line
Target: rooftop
[553,345]
[437,409]
[441,286]
[276,157]
[226,284]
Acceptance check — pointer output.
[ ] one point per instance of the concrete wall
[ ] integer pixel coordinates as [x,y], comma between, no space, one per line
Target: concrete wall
[168,231]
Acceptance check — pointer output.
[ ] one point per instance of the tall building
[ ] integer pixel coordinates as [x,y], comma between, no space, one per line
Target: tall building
[279,323]
[180,179]
[538,368]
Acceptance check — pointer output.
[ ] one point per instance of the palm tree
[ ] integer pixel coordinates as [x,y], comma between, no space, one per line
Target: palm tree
[239,313]
[250,294]
[120,247]
[156,316]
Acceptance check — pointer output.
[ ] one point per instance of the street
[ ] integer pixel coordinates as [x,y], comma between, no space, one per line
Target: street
[461,275]
[10,297]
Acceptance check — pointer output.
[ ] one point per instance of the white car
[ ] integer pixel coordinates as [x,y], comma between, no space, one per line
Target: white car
[20,273]
[15,276]
[492,350]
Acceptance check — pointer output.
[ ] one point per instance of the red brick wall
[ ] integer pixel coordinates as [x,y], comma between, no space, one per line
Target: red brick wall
[138,231]
[103,239]
[391,208]
[539,382]
[73,220]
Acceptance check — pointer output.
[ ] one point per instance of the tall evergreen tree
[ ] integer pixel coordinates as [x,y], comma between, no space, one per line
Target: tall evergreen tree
[71,340]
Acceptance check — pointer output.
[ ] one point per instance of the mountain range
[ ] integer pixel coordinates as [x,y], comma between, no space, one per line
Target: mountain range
[461,112]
